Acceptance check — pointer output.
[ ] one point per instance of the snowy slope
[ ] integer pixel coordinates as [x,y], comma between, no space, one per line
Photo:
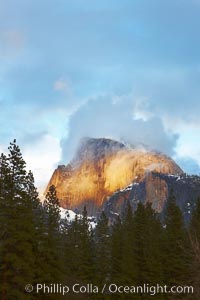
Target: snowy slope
[70,215]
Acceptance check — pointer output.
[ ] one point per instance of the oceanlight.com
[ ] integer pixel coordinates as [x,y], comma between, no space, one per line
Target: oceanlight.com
[112,288]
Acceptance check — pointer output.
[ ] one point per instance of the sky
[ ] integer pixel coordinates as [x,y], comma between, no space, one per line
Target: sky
[123,69]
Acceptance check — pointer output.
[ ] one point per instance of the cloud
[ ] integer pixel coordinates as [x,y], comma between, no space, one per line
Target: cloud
[142,110]
[148,50]
[173,95]
[188,145]
[42,153]
[42,156]
[101,117]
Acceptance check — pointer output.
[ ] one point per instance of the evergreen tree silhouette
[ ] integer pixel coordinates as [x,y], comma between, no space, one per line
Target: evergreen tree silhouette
[194,237]
[175,243]
[102,250]
[53,258]
[17,250]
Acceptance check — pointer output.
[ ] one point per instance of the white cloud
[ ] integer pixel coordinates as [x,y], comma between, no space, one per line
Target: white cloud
[42,157]
[104,117]
[188,144]
[141,109]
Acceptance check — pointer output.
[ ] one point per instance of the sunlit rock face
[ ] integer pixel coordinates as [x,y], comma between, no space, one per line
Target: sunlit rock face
[103,166]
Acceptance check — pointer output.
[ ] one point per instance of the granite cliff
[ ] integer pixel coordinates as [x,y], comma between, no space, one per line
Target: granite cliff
[155,189]
[104,170]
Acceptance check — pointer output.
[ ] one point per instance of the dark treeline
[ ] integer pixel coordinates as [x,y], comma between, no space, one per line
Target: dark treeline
[36,246]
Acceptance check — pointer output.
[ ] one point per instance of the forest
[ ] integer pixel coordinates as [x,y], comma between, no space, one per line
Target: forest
[38,247]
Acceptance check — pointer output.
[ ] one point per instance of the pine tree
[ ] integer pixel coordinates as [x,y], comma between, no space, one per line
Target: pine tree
[154,253]
[52,245]
[102,250]
[194,230]
[39,217]
[194,237]
[85,242]
[17,255]
[4,224]
[128,259]
[140,244]
[79,250]
[175,245]
[73,258]
[116,251]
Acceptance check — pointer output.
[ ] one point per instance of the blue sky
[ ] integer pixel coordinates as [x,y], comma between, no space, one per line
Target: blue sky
[123,69]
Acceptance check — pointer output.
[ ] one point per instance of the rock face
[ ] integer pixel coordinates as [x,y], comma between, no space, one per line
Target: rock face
[102,167]
[155,189]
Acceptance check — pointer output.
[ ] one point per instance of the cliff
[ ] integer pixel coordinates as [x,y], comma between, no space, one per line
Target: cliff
[155,189]
[101,167]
